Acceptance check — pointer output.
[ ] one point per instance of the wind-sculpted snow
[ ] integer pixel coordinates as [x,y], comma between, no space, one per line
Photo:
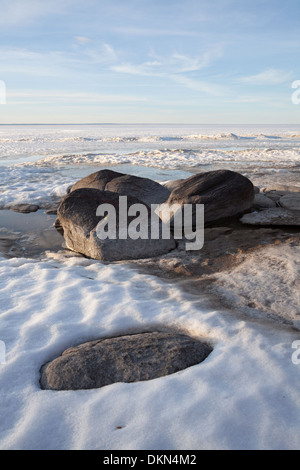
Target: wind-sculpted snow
[243,396]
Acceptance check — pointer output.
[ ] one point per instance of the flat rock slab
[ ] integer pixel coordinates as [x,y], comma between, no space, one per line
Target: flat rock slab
[25,208]
[274,216]
[290,201]
[263,202]
[129,358]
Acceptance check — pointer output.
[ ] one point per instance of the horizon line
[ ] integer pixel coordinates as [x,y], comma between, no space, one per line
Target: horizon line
[146,124]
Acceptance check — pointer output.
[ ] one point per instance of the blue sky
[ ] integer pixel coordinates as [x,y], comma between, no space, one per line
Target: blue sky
[149,61]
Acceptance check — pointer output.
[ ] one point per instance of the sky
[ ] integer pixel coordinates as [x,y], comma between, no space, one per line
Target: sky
[149,61]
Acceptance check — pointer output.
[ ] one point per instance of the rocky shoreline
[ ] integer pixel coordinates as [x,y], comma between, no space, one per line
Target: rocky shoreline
[273,220]
[249,264]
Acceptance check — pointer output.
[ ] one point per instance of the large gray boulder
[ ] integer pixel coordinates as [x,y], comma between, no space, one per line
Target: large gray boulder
[83,229]
[128,358]
[145,189]
[224,193]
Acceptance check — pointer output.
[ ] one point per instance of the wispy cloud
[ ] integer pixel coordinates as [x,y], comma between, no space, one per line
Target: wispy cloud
[82,39]
[267,77]
[104,54]
[27,62]
[202,86]
[177,62]
[56,63]
[59,96]
[135,31]
[176,68]
[24,12]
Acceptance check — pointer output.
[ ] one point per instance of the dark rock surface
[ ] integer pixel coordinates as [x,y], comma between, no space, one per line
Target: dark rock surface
[172,184]
[224,193]
[145,189]
[97,180]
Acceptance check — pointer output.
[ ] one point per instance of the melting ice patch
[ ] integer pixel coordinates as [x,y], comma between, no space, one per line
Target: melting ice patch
[31,184]
[269,281]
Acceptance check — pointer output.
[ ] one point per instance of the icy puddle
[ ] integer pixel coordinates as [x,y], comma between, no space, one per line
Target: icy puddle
[28,235]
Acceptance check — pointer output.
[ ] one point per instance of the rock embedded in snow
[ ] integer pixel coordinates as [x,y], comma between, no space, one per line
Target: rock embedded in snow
[129,358]
[81,226]
[273,216]
[224,193]
[145,189]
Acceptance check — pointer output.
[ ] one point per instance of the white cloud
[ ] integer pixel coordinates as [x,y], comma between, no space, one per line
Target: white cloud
[267,77]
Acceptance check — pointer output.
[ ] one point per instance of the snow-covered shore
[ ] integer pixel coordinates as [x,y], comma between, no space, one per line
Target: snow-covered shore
[243,396]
